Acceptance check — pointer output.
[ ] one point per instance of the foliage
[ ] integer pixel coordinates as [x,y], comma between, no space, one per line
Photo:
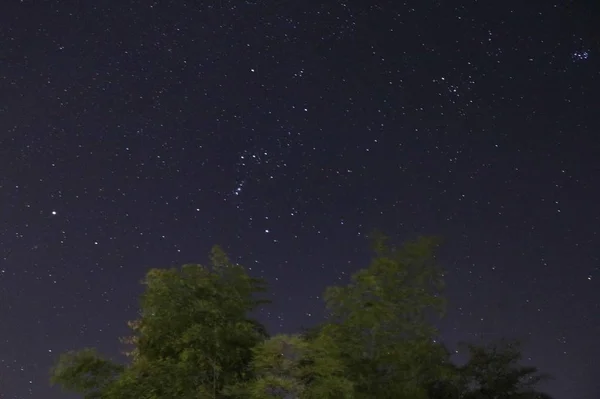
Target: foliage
[193,336]
[85,372]
[494,371]
[194,339]
[292,366]
[381,323]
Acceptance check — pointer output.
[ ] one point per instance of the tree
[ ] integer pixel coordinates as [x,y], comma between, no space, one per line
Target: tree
[295,367]
[494,372]
[491,372]
[85,372]
[278,367]
[381,321]
[193,337]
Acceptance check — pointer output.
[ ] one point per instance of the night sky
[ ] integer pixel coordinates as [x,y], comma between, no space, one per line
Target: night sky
[137,134]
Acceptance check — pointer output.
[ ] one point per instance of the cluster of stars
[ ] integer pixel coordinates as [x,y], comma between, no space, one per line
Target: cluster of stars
[286,133]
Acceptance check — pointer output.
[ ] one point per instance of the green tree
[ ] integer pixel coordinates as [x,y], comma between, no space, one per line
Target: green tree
[294,367]
[193,337]
[278,365]
[382,321]
[494,372]
[86,372]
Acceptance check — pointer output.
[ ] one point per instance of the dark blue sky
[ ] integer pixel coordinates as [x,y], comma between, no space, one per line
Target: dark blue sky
[137,134]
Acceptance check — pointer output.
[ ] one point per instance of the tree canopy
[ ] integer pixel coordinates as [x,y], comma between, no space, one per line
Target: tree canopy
[194,338]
